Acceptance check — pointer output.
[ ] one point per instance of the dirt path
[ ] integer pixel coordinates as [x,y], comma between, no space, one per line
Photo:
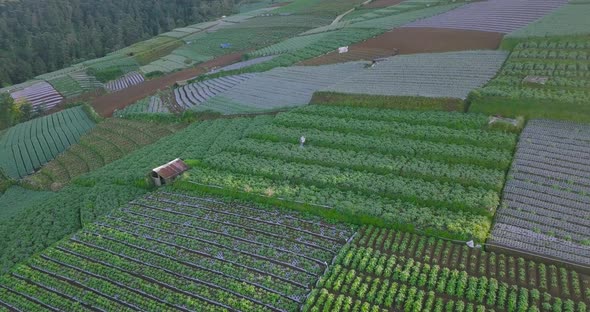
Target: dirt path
[410,41]
[105,105]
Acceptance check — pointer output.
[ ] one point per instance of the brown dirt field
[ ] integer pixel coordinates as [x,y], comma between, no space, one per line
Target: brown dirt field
[377,4]
[105,105]
[410,41]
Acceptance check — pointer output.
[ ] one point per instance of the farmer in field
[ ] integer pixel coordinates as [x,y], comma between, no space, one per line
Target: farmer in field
[302,141]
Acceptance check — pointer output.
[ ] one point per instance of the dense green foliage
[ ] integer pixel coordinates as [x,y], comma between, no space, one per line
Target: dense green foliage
[43,223]
[36,38]
[15,198]
[382,270]
[563,62]
[26,147]
[12,113]
[184,253]
[107,142]
[384,101]
[433,172]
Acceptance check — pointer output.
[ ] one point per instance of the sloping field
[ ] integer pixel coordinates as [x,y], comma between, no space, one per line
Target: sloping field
[384,270]
[124,82]
[410,41]
[108,141]
[29,145]
[194,94]
[289,45]
[502,16]
[278,88]
[546,207]
[243,64]
[432,172]
[15,198]
[381,4]
[40,94]
[173,252]
[570,19]
[562,63]
[452,75]
[66,86]
[155,104]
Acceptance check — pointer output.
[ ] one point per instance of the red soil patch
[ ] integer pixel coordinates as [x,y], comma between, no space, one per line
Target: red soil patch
[381,4]
[105,105]
[410,41]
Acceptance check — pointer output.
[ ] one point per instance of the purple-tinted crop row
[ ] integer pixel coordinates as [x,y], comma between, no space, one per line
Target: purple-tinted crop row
[546,207]
[126,81]
[196,93]
[501,16]
[41,94]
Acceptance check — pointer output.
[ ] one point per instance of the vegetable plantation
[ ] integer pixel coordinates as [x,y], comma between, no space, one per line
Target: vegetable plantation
[502,16]
[275,89]
[432,172]
[107,142]
[174,252]
[27,146]
[451,75]
[562,63]
[570,19]
[41,95]
[546,206]
[44,222]
[126,81]
[384,270]
[194,94]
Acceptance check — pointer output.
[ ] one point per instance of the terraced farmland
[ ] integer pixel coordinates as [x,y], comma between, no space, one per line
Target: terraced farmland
[126,81]
[278,88]
[40,94]
[384,270]
[107,142]
[546,207]
[156,104]
[194,94]
[452,75]
[66,86]
[570,19]
[432,172]
[562,63]
[502,16]
[27,146]
[243,64]
[170,251]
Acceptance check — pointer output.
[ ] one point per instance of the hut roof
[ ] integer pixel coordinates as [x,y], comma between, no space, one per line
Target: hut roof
[171,169]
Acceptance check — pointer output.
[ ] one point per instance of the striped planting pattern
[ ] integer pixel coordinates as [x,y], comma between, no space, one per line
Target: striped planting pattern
[126,81]
[502,16]
[279,88]
[546,209]
[243,64]
[451,75]
[40,94]
[194,94]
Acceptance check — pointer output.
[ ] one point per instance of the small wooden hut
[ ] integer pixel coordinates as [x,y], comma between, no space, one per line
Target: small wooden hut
[168,172]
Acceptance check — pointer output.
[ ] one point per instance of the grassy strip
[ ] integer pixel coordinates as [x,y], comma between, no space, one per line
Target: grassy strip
[384,101]
[530,108]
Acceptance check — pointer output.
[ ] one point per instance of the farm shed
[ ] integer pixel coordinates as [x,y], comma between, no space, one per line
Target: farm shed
[168,172]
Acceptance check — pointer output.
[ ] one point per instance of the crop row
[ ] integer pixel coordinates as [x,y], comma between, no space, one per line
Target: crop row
[380,270]
[29,145]
[177,252]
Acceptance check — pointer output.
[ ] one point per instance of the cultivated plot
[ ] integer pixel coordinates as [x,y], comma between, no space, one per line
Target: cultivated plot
[383,270]
[546,206]
[41,95]
[570,19]
[194,94]
[502,16]
[170,251]
[29,145]
[278,88]
[433,172]
[126,81]
[451,75]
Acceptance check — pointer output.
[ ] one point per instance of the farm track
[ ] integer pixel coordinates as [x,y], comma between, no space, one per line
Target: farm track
[411,41]
[105,105]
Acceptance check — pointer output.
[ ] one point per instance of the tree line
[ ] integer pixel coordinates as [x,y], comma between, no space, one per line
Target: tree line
[40,36]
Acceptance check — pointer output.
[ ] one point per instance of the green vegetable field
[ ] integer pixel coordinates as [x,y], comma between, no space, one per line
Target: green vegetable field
[26,147]
[431,172]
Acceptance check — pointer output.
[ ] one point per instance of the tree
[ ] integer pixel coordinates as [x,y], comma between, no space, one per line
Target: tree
[6,107]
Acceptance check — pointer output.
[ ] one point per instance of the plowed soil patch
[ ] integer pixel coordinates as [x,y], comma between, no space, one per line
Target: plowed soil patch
[381,4]
[105,105]
[410,41]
